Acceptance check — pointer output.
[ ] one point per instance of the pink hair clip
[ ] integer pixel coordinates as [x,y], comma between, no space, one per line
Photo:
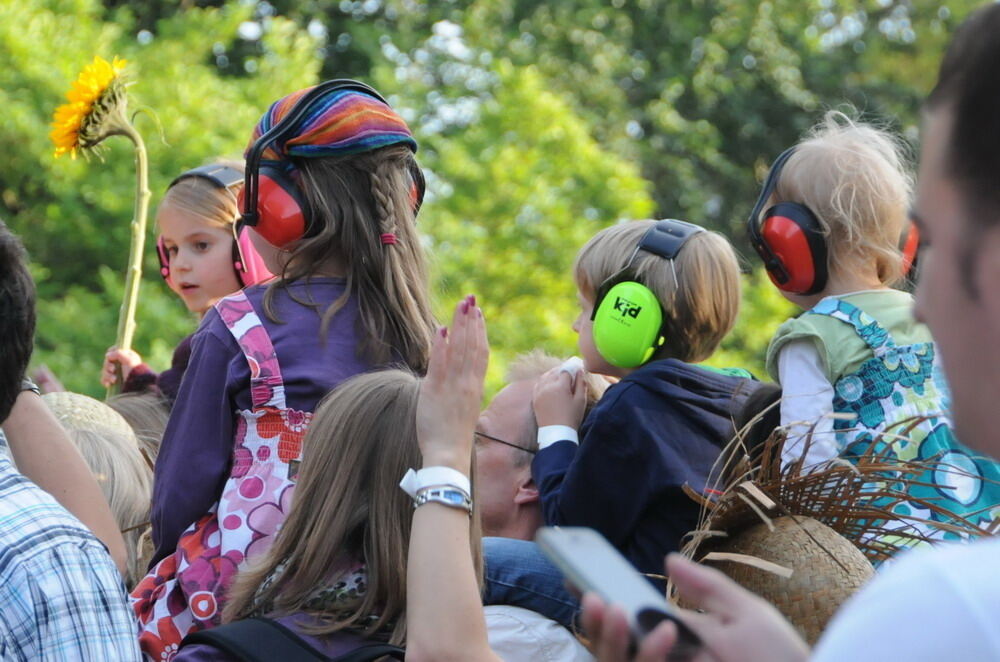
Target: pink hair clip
[389,238]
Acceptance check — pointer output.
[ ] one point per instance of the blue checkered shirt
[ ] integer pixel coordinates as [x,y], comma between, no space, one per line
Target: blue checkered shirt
[61,597]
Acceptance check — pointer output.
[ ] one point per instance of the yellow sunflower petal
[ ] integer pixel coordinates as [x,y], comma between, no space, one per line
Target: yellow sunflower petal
[93,81]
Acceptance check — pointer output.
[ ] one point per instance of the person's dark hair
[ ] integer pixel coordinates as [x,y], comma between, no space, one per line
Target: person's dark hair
[969,89]
[17,318]
[755,422]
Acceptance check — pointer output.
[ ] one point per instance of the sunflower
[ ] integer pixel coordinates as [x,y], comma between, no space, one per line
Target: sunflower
[96,108]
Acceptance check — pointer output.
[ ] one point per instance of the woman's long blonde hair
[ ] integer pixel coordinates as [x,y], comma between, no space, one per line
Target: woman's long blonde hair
[348,508]
[353,201]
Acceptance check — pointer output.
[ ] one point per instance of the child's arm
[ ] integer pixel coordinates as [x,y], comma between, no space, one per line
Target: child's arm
[601,482]
[197,447]
[806,404]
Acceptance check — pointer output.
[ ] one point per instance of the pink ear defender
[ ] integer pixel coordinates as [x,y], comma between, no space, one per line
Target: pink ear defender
[161,252]
[247,262]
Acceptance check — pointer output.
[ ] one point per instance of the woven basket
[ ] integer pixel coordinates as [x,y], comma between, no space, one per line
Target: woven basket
[817,586]
[80,412]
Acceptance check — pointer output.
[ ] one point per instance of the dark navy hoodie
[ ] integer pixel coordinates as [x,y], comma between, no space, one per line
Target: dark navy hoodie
[660,427]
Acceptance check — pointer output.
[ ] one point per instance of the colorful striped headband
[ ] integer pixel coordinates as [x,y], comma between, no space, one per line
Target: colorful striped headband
[338,123]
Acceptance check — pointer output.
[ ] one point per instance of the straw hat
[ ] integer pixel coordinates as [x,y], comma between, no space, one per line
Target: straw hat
[816,569]
[805,541]
[76,411]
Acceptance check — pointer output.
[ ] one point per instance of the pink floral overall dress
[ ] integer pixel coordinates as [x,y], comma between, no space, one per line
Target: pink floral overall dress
[184,592]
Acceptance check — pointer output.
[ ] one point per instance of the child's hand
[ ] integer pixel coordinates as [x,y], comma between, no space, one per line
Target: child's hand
[560,398]
[452,391]
[126,358]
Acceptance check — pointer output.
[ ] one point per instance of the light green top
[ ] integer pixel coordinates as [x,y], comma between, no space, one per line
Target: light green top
[840,349]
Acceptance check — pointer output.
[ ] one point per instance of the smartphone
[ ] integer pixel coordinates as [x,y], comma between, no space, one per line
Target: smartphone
[591,564]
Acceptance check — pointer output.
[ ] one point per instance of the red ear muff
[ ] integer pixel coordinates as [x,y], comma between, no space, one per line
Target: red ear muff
[788,238]
[164,256]
[909,246]
[794,249]
[418,186]
[281,217]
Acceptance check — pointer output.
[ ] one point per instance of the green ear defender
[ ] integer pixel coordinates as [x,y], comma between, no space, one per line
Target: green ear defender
[627,316]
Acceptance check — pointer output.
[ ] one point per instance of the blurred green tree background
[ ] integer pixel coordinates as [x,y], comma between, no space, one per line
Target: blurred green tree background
[539,124]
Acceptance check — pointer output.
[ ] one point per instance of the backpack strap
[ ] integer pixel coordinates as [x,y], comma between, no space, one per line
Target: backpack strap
[371,652]
[257,640]
[867,327]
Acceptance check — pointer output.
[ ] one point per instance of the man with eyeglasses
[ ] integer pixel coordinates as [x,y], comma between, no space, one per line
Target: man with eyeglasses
[511,514]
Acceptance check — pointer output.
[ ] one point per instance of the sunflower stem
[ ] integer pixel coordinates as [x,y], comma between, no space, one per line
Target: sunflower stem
[133,272]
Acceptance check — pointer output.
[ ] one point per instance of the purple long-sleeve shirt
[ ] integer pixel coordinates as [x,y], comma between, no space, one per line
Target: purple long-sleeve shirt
[166,383]
[197,447]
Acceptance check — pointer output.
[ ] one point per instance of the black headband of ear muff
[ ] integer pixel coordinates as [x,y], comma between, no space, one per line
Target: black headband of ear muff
[771,260]
[219,174]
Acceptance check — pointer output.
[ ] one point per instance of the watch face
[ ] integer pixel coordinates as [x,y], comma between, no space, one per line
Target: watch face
[454,497]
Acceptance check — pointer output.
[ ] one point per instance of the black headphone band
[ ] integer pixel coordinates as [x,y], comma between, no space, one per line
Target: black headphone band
[770,183]
[221,175]
[771,261]
[665,238]
[297,112]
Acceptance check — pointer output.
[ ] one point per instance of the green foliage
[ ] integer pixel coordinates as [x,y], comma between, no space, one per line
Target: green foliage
[81,314]
[73,215]
[519,208]
[762,311]
[539,123]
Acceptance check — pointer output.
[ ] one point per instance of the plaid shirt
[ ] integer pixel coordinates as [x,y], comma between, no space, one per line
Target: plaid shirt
[61,597]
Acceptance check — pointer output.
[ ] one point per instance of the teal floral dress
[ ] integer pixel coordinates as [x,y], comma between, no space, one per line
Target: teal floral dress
[900,403]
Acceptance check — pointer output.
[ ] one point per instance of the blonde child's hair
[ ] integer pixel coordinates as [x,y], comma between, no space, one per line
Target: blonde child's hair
[147,414]
[202,199]
[699,293]
[127,483]
[111,451]
[856,180]
[348,508]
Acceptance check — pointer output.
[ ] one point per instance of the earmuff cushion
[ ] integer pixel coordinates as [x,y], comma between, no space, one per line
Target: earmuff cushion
[909,245]
[249,265]
[794,236]
[627,324]
[418,186]
[281,217]
[164,256]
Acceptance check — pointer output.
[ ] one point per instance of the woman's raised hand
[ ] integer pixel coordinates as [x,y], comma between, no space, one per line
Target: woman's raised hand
[452,391]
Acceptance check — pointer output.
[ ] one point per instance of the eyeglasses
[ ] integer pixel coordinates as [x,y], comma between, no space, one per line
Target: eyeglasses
[505,443]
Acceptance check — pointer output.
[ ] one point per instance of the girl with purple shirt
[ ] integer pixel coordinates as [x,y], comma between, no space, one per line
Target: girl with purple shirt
[331,197]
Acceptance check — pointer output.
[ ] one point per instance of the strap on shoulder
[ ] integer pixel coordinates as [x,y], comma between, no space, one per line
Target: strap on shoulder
[267,388]
[371,652]
[866,326]
[257,640]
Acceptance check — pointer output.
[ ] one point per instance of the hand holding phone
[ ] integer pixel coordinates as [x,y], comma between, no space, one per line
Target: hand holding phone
[591,564]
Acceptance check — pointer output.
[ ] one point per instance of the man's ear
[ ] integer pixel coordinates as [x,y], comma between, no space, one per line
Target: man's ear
[527,491]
